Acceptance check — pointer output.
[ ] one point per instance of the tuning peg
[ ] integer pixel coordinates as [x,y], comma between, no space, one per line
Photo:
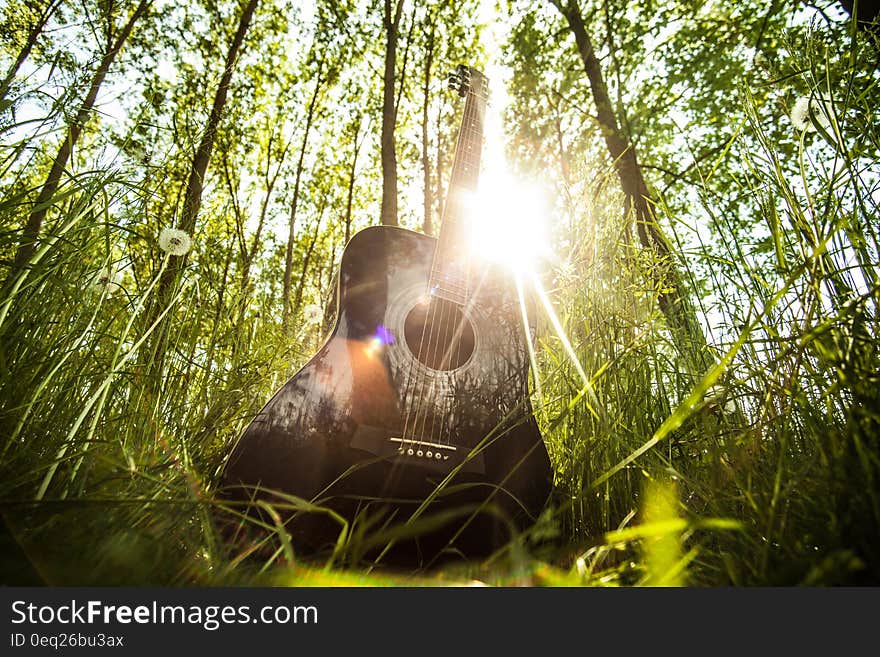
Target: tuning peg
[464,75]
[459,80]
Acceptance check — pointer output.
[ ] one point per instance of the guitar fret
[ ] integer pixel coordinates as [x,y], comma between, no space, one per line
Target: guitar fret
[450,290]
[449,271]
[448,274]
[460,299]
[444,281]
[442,289]
[448,280]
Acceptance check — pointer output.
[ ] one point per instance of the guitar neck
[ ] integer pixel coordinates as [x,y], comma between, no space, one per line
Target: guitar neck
[449,272]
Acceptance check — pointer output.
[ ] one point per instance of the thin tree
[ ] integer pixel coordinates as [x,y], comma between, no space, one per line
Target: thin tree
[426,100]
[307,257]
[389,114]
[671,295]
[357,143]
[288,256]
[195,183]
[269,179]
[192,200]
[34,225]
[34,31]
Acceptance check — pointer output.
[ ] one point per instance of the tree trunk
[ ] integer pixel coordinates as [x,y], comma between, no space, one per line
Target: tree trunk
[193,194]
[438,176]
[270,180]
[24,53]
[403,64]
[34,224]
[351,174]
[192,200]
[307,259]
[867,15]
[389,116]
[671,296]
[426,159]
[288,257]
[248,253]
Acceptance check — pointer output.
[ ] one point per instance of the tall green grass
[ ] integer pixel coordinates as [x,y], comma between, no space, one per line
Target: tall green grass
[764,469]
[775,451]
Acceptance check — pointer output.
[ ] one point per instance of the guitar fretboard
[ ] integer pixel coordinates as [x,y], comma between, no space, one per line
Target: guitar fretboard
[449,272]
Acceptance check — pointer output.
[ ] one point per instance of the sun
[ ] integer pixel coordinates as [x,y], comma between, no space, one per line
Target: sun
[508,219]
[508,216]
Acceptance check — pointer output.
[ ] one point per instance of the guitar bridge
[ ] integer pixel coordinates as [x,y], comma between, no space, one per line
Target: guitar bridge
[435,456]
[424,449]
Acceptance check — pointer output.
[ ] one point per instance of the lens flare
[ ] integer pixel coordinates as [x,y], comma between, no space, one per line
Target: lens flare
[508,221]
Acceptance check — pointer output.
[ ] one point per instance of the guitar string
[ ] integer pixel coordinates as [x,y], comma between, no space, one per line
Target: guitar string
[430,318]
[444,365]
[446,319]
[413,392]
[458,335]
[448,324]
[475,141]
[422,378]
[458,320]
[447,307]
[410,391]
[441,378]
[429,398]
[437,331]
[423,355]
[436,304]
[438,324]
[451,320]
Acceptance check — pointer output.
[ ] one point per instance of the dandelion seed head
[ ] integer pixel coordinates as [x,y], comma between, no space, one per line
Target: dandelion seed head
[800,114]
[106,279]
[175,242]
[312,314]
[810,111]
[822,111]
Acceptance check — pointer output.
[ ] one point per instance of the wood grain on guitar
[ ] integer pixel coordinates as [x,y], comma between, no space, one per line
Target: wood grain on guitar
[417,404]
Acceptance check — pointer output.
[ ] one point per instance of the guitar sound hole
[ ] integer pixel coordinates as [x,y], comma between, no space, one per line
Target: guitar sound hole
[439,335]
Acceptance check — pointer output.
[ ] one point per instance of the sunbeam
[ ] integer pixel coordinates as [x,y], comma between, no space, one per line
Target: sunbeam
[566,343]
[533,359]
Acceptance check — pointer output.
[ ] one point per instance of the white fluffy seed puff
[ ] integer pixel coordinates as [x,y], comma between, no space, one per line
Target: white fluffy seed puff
[807,110]
[312,314]
[106,280]
[175,242]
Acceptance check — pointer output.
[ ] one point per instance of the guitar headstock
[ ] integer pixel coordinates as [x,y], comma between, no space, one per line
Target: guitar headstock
[465,80]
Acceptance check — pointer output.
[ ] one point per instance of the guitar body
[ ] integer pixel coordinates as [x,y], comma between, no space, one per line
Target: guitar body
[415,408]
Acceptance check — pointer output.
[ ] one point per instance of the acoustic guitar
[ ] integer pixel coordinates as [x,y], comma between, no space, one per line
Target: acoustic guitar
[415,412]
